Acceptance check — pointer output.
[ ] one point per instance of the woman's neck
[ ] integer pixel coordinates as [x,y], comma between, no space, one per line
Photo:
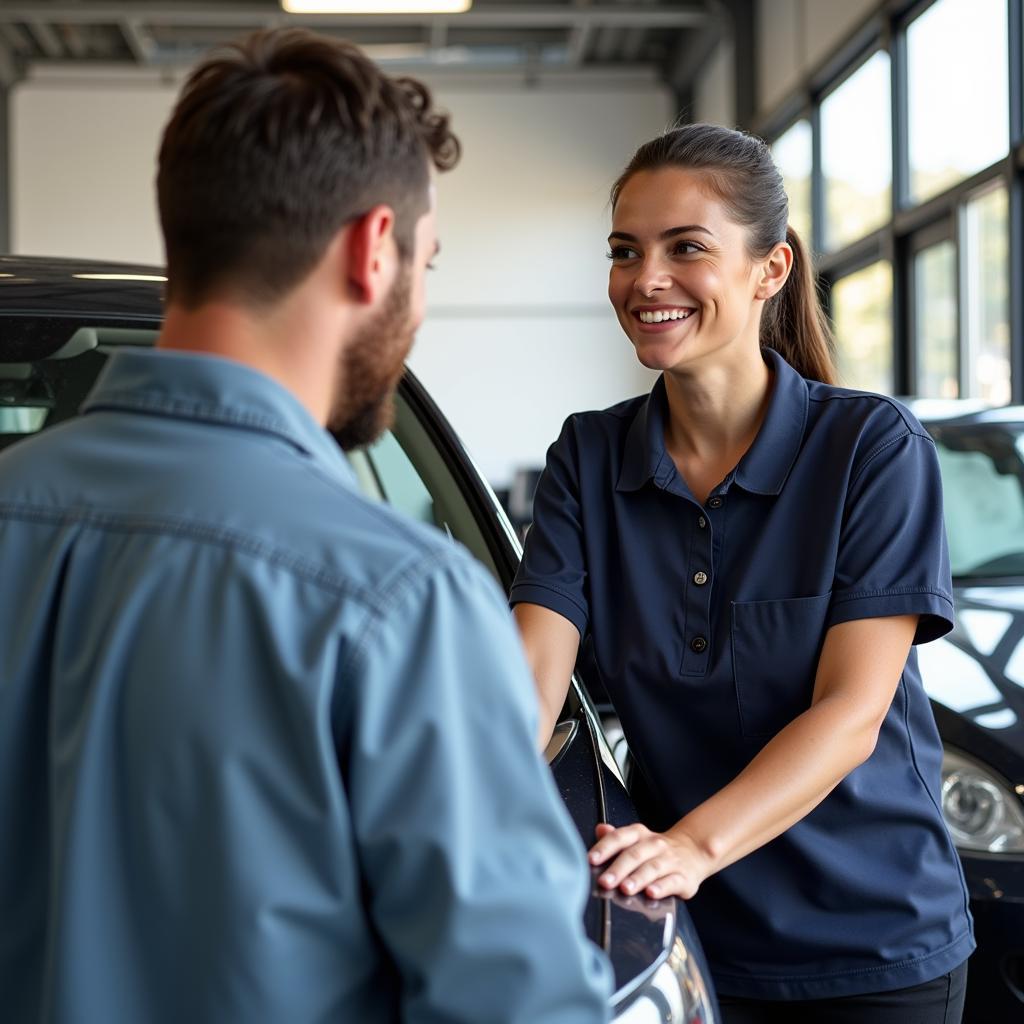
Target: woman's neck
[714,415]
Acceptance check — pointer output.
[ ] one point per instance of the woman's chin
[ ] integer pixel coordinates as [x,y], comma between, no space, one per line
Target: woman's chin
[656,357]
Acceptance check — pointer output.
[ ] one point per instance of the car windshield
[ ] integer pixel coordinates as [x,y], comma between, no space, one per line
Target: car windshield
[983,495]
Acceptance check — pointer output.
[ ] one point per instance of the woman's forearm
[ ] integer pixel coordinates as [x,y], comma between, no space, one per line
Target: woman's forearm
[790,776]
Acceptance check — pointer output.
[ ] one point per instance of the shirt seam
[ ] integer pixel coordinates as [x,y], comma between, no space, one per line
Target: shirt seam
[860,595]
[855,972]
[950,845]
[873,453]
[911,428]
[165,525]
[553,588]
[396,588]
[196,411]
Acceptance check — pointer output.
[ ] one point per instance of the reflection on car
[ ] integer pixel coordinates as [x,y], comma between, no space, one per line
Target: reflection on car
[975,678]
[60,319]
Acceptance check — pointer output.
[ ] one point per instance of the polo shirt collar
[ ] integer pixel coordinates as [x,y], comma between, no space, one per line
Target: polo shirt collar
[645,457]
[767,462]
[765,466]
[212,389]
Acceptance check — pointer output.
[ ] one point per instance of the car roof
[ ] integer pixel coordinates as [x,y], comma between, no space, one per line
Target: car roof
[962,411]
[44,301]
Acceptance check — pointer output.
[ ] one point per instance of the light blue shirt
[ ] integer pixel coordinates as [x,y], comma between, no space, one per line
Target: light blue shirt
[266,747]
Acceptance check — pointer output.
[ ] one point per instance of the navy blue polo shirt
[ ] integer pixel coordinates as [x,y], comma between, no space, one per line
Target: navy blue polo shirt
[706,622]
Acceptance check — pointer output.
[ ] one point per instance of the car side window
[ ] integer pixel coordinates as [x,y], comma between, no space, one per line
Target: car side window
[404,468]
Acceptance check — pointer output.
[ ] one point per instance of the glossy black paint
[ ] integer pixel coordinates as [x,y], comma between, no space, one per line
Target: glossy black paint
[59,289]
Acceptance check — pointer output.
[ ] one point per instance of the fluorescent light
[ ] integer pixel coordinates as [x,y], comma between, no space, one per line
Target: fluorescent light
[376,6]
[118,277]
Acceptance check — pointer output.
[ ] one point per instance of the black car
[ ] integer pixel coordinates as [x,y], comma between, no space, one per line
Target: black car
[59,320]
[975,678]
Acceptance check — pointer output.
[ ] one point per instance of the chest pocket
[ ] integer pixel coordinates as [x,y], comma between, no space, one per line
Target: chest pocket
[775,650]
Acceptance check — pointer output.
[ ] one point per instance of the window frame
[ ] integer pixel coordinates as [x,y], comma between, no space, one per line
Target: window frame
[900,237]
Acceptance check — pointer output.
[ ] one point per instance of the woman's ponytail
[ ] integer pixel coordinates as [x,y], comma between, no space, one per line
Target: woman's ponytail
[794,324]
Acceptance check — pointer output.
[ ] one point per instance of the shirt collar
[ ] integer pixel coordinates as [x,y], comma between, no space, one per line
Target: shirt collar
[765,466]
[204,387]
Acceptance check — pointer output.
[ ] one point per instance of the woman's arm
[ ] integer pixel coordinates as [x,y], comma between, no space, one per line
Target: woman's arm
[859,669]
[552,643]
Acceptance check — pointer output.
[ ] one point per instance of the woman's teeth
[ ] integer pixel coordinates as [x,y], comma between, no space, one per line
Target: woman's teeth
[658,315]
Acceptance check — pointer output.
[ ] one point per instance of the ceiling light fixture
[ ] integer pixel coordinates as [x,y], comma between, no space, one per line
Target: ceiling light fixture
[376,6]
[119,277]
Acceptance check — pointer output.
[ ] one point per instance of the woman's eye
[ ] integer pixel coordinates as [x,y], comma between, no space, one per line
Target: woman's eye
[686,248]
[621,252]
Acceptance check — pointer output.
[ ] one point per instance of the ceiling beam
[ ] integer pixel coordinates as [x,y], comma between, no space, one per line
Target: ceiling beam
[438,35]
[47,38]
[137,41]
[579,40]
[16,38]
[621,15]
[744,34]
[691,55]
[74,40]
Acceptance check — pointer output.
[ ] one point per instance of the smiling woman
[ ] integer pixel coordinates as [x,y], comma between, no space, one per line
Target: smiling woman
[750,554]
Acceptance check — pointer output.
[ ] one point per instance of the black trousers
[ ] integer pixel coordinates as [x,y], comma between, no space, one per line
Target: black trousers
[935,1002]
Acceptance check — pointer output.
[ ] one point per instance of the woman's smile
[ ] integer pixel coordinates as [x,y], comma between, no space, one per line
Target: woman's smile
[662,316]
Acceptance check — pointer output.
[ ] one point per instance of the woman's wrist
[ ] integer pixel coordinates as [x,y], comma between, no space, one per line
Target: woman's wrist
[705,848]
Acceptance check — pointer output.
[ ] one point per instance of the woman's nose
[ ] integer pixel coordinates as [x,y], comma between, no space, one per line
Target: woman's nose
[651,279]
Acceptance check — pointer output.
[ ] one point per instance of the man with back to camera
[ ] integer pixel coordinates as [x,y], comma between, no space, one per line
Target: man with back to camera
[242,771]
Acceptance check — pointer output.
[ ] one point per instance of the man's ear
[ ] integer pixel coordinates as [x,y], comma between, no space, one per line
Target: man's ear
[370,252]
[774,271]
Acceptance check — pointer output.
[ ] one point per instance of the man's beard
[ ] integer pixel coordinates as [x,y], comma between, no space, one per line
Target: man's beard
[370,369]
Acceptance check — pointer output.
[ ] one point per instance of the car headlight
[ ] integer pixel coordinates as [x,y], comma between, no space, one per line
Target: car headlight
[982,813]
[676,993]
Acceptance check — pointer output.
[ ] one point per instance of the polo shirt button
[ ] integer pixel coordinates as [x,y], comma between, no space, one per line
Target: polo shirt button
[715,502]
[698,643]
[702,522]
[700,578]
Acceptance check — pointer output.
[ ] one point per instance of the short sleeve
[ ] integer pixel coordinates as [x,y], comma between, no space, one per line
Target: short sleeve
[553,570]
[892,557]
[467,851]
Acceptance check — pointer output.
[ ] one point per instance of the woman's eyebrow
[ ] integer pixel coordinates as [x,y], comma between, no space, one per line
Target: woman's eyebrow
[668,233]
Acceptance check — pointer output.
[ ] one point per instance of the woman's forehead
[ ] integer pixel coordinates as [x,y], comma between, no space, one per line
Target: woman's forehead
[669,197]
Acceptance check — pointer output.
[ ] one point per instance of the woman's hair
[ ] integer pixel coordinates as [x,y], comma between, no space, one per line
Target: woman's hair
[739,169]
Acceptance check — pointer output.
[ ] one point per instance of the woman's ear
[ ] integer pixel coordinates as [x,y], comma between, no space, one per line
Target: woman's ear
[774,271]
[370,253]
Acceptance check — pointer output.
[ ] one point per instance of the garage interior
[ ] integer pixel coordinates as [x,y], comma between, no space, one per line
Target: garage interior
[908,187]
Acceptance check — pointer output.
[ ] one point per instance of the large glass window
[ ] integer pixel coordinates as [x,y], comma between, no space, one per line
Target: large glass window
[958,92]
[856,153]
[935,341]
[862,316]
[792,155]
[986,248]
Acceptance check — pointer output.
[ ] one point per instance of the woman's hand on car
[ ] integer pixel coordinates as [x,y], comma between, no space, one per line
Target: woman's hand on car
[658,864]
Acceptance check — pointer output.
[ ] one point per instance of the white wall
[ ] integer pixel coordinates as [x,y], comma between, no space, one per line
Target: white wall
[519,332]
[715,99]
[794,36]
[82,166]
